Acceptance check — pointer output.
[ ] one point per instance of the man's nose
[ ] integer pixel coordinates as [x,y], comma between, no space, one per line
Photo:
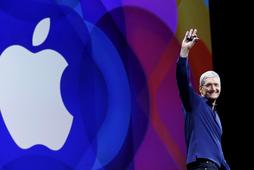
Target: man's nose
[213,87]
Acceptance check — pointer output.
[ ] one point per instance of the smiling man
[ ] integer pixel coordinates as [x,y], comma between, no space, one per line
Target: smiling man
[209,87]
[203,128]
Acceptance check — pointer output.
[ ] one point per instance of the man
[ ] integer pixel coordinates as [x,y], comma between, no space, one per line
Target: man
[203,128]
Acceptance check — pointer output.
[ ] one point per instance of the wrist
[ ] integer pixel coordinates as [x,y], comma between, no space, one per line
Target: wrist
[184,52]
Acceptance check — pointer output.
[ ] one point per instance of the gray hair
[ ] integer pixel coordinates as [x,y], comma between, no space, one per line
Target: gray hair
[207,74]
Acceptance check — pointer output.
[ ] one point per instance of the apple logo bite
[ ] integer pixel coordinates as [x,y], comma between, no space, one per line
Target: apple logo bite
[30,96]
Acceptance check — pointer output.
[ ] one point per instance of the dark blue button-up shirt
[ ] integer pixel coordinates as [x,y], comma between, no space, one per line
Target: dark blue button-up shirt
[203,128]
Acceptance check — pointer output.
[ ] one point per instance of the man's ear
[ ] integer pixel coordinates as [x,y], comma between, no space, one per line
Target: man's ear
[200,90]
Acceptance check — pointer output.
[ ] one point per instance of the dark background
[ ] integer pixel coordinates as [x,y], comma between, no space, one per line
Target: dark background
[232,48]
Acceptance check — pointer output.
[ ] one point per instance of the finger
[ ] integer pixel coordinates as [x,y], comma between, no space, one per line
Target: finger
[195,39]
[194,34]
[190,33]
[186,35]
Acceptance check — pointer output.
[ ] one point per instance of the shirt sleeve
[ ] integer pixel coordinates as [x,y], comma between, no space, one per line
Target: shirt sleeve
[187,93]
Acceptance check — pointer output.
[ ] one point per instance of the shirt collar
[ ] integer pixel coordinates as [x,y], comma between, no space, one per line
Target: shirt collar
[209,103]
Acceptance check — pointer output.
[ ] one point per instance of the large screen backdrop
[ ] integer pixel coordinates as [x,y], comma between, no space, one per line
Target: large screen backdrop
[89,84]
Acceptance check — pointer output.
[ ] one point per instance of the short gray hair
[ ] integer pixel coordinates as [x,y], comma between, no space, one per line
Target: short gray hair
[207,74]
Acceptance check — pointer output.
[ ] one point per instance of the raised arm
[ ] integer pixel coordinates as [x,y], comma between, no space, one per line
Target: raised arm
[183,72]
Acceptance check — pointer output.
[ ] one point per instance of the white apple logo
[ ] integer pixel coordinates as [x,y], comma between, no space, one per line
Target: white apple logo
[30,95]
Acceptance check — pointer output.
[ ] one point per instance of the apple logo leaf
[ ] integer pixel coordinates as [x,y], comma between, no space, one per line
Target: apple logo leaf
[41,32]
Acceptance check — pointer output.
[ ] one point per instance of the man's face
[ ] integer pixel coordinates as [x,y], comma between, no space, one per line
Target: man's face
[211,88]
